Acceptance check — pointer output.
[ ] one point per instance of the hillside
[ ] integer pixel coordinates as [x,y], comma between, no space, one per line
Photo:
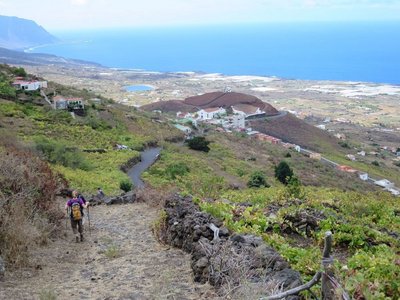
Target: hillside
[44,151]
[8,56]
[17,33]
[221,99]
[214,99]
[291,129]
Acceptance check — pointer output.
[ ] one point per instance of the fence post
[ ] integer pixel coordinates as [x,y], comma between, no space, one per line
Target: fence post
[328,290]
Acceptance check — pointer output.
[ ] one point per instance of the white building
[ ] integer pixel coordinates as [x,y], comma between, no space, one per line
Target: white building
[322,126]
[185,129]
[394,191]
[211,113]
[384,183]
[297,148]
[363,176]
[235,121]
[29,85]
[60,102]
[247,110]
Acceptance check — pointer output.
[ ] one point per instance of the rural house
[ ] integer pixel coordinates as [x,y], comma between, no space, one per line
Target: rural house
[29,85]
[247,110]
[211,113]
[60,102]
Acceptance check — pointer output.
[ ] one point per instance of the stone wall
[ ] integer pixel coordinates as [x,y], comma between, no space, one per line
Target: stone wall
[190,229]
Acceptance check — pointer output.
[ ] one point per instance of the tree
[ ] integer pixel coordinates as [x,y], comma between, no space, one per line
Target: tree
[199,143]
[283,172]
[257,179]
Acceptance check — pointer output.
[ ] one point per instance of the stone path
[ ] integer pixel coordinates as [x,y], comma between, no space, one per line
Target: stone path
[141,268]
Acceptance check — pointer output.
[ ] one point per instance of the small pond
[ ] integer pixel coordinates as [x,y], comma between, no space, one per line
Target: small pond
[138,88]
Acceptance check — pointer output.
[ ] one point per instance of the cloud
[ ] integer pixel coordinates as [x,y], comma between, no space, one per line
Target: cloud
[79,2]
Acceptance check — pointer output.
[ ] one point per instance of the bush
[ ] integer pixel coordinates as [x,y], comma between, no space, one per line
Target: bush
[344,144]
[257,179]
[283,172]
[7,91]
[19,71]
[176,169]
[28,210]
[199,143]
[375,163]
[126,185]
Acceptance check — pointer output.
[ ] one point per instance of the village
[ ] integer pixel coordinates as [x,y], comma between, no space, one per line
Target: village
[224,120]
[234,120]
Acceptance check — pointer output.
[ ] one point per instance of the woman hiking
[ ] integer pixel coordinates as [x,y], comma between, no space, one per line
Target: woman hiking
[75,206]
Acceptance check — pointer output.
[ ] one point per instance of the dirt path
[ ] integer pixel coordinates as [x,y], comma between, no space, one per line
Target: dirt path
[142,268]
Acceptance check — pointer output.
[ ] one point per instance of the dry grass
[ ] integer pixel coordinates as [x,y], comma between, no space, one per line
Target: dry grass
[28,212]
[154,197]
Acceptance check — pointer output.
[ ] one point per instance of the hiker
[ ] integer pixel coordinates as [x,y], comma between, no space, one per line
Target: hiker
[100,193]
[76,206]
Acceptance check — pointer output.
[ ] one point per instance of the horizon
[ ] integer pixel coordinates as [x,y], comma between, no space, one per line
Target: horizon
[90,14]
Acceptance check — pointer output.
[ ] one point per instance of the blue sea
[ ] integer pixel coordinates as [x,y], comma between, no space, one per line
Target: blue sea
[318,51]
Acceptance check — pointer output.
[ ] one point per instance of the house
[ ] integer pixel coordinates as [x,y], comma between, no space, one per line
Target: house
[185,129]
[60,102]
[183,115]
[267,138]
[351,157]
[340,136]
[235,121]
[384,183]
[362,153]
[247,110]
[346,169]
[363,176]
[316,156]
[394,192]
[210,113]
[29,85]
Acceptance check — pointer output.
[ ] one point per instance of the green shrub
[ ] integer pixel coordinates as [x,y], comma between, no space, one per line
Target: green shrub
[19,71]
[125,185]
[257,179]
[375,163]
[344,144]
[176,169]
[199,143]
[283,172]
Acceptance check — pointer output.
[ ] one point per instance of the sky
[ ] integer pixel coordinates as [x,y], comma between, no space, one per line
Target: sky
[91,14]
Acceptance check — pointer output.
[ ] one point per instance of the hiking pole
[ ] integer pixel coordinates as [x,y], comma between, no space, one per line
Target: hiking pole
[66,220]
[88,217]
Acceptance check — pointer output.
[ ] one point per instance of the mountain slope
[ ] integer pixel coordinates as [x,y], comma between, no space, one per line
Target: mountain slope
[8,56]
[17,33]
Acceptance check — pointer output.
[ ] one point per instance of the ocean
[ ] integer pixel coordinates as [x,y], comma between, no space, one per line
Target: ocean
[360,51]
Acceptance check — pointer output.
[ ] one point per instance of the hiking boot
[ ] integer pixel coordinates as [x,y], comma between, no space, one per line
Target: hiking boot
[81,238]
[77,239]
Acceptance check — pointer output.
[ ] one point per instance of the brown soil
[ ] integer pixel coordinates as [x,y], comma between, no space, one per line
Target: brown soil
[142,268]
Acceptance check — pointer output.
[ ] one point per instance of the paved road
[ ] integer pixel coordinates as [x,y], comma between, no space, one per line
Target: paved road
[148,157]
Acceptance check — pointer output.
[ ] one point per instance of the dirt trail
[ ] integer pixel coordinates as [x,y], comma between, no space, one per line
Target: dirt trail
[143,269]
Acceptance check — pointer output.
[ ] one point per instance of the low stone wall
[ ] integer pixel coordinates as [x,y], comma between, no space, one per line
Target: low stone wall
[190,229]
[124,198]
[130,163]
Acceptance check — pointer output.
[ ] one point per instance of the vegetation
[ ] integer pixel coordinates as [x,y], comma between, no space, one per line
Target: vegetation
[257,179]
[199,143]
[283,172]
[291,216]
[125,185]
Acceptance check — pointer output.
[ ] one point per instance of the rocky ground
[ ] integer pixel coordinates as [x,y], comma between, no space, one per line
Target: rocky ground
[120,259]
